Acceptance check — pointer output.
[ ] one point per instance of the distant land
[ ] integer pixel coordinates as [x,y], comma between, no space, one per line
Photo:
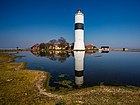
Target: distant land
[29,49]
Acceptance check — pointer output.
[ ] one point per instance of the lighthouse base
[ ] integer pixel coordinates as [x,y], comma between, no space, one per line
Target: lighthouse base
[79,46]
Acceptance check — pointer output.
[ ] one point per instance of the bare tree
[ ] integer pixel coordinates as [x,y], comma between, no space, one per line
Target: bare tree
[62,40]
[52,43]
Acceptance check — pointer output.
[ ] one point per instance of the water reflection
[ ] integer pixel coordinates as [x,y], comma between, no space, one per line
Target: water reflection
[60,56]
[113,68]
[79,67]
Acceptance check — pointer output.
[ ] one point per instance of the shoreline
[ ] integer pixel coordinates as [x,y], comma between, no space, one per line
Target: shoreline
[111,49]
[35,81]
[17,83]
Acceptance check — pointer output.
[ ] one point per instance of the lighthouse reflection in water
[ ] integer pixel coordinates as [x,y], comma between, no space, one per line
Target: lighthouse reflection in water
[67,69]
[60,56]
[79,67]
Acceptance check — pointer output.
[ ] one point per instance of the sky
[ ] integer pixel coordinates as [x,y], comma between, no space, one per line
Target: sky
[115,23]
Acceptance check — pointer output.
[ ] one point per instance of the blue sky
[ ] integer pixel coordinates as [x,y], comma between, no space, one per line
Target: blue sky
[24,23]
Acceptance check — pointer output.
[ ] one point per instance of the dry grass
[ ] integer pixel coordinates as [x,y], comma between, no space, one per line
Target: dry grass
[17,86]
[104,96]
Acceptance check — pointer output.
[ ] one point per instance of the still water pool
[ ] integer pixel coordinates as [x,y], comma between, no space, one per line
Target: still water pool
[80,69]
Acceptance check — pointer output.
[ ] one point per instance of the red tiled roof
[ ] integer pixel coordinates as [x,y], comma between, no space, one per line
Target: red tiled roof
[89,45]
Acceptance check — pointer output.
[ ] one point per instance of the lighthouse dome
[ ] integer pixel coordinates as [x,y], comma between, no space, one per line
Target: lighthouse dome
[79,12]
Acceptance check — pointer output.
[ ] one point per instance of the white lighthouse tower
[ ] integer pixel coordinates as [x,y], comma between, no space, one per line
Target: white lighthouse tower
[79,31]
[79,67]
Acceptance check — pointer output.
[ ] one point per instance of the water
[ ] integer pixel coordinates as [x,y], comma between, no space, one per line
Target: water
[78,69]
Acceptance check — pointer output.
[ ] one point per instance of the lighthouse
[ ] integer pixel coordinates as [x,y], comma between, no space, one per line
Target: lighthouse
[79,67]
[79,31]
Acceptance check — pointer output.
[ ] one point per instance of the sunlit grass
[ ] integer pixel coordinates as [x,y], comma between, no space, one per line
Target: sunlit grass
[17,86]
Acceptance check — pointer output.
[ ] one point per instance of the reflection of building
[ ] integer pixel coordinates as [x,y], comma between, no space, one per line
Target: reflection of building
[89,52]
[53,55]
[79,67]
[79,31]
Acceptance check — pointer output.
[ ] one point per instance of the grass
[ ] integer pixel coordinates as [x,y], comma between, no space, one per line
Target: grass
[103,95]
[18,87]
[61,75]
[4,58]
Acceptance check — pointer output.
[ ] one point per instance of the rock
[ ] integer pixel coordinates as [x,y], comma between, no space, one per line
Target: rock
[26,94]
[8,80]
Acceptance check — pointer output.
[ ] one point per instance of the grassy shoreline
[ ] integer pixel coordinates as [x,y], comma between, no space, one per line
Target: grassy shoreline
[19,86]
